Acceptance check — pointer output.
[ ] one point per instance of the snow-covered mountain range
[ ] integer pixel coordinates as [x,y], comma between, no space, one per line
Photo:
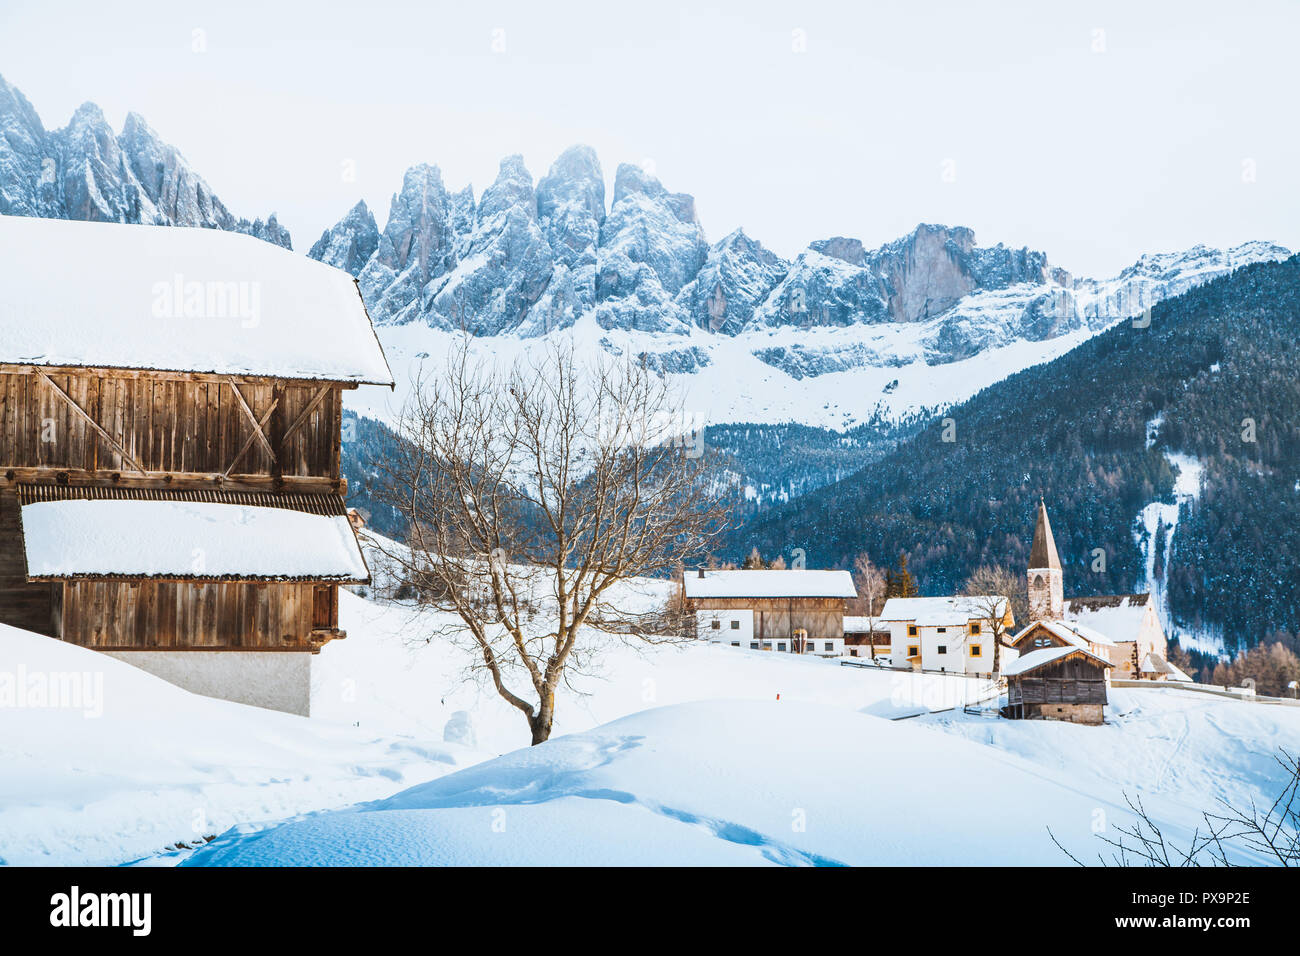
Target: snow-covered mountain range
[86,171]
[837,336]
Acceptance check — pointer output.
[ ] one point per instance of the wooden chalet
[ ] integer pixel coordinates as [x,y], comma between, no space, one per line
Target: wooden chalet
[170,439]
[787,611]
[1056,675]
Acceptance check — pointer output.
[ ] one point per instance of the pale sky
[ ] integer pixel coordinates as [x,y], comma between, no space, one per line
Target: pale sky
[1092,131]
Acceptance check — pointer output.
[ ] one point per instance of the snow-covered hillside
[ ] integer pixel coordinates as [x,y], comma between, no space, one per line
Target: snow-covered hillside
[101,763]
[727,782]
[693,754]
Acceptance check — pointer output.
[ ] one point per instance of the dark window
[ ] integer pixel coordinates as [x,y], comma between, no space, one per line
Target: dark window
[830,645]
[735,625]
[974,628]
[942,649]
[911,630]
[780,646]
[735,643]
[942,630]
[753,645]
[716,625]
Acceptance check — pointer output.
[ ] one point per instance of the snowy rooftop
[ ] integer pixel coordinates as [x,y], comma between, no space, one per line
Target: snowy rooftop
[769,584]
[1118,616]
[105,295]
[1155,664]
[1072,632]
[185,539]
[937,611]
[1040,658]
[854,624]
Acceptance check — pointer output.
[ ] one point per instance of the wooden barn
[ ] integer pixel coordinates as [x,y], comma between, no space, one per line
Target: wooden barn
[170,441]
[1059,682]
[787,611]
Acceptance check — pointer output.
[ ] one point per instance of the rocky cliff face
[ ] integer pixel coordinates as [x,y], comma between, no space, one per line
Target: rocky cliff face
[85,171]
[530,260]
[350,243]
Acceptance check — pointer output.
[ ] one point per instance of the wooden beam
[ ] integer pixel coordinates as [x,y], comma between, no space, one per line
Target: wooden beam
[257,426]
[298,422]
[85,416]
[257,433]
[97,371]
[53,475]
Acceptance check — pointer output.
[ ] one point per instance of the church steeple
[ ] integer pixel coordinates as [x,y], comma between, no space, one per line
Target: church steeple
[1046,595]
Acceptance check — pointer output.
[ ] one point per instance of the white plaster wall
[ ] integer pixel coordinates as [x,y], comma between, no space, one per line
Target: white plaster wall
[277,680]
[725,633]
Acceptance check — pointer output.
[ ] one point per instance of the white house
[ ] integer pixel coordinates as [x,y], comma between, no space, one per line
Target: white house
[942,633]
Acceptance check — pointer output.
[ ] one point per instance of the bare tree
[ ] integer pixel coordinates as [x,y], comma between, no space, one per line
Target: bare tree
[995,590]
[869,581]
[1272,833]
[532,494]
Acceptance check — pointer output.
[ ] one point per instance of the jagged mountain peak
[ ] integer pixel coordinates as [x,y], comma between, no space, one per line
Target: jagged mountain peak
[574,187]
[85,171]
[350,243]
[512,190]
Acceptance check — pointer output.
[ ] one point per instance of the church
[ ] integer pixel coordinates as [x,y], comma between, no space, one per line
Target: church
[1057,666]
[1123,628]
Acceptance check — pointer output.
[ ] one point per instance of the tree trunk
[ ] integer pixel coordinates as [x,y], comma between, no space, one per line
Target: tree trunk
[540,724]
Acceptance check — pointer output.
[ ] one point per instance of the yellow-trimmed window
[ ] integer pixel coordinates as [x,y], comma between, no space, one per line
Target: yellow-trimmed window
[974,627]
[911,630]
[913,650]
[976,650]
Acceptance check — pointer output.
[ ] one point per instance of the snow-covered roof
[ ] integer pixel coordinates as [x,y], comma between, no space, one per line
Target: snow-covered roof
[1047,655]
[1072,632]
[855,624]
[187,539]
[163,298]
[1119,616]
[938,611]
[770,584]
[1155,664]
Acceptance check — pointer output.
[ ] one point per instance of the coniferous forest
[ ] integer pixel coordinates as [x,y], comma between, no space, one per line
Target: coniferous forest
[1219,366]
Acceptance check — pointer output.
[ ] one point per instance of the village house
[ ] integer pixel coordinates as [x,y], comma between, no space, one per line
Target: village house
[1124,629]
[1138,648]
[951,634]
[786,611]
[170,448]
[1055,669]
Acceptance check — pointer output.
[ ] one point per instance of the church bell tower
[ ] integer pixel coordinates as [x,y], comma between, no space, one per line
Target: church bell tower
[1046,594]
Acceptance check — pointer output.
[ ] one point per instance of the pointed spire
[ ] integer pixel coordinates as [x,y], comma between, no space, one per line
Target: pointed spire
[1043,553]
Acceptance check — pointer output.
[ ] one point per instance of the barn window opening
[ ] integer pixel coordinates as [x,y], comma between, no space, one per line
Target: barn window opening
[975,628]
[976,650]
[716,625]
[911,630]
[735,625]
[942,649]
[830,645]
[911,650]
